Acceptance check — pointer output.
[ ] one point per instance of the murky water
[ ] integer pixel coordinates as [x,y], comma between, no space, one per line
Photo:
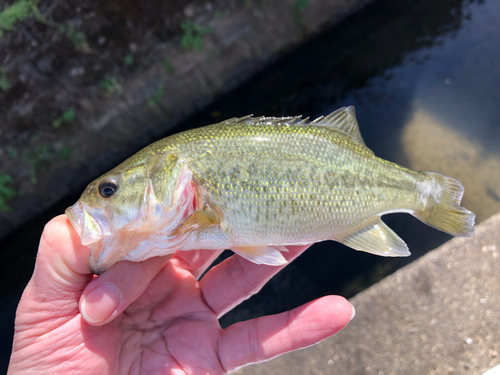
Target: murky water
[425,81]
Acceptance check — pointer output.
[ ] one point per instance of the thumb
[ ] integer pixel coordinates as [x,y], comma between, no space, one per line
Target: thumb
[61,269]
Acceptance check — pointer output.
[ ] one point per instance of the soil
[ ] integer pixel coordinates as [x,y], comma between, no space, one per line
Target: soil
[65,67]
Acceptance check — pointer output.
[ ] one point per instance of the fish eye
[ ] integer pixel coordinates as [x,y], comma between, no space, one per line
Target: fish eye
[107,189]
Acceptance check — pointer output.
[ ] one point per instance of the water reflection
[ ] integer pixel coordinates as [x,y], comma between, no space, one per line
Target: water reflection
[449,93]
[431,143]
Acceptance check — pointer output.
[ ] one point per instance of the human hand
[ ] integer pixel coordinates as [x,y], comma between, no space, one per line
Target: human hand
[154,316]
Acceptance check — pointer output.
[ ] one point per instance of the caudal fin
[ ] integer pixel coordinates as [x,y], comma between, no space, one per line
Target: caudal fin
[442,209]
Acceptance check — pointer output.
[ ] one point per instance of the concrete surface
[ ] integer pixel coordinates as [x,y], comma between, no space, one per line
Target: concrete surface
[439,315]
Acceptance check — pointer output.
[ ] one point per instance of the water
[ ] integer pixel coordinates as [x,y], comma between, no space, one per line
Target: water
[424,79]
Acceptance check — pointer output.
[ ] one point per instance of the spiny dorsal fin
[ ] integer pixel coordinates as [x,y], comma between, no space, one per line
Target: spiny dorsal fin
[262,120]
[344,120]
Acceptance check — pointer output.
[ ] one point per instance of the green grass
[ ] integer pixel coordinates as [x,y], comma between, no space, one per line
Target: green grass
[39,156]
[11,152]
[168,67]
[4,80]
[154,99]
[65,153]
[6,192]
[78,38]
[298,9]
[66,116]
[24,9]
[36,136]
[193,34]
[221,13]
[110,85]
[128,59]
[42,156]
[18,11]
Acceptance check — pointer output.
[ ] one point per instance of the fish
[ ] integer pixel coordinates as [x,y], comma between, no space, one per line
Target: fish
[256,185]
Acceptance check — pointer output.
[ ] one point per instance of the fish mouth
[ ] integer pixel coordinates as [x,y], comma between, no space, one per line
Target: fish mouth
[73,216]
[94,231]
[84,223]
[90,233]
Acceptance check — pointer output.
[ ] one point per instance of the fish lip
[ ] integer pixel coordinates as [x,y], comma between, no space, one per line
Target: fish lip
[95,269]
[72,214]
[77,215]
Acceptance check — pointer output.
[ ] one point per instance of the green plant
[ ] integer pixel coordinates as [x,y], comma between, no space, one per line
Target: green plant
[39,156]
[78,38]
[42,156]
[65,153]
[23,9]
[6,192]
[193,33]
[154,99]
[35,137]
[168,67]
[110,84]
[4,81]
[66,116]
[11,152]
[298,9]
[128,59]
[221,13]
[18,11]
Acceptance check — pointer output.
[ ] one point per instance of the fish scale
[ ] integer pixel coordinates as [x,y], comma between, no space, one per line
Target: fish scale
[257,184]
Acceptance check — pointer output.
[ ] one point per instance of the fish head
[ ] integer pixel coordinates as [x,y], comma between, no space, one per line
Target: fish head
[120,214]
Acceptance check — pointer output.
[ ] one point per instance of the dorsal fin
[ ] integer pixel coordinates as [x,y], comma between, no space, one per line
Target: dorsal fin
[344,120]
[262,120]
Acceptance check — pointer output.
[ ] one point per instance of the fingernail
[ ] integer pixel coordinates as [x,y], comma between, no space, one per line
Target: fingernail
[353,314]
[100,303]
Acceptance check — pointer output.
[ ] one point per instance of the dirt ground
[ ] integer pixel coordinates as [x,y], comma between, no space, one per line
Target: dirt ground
[83,84]
[60,60]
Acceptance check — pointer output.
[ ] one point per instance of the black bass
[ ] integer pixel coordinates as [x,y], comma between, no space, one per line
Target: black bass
[256,185]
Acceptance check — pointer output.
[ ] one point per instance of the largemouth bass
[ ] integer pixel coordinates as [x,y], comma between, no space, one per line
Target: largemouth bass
[256,185]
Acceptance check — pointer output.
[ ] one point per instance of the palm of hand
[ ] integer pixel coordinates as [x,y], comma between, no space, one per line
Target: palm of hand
[176,329]
[166,328]
[163,321]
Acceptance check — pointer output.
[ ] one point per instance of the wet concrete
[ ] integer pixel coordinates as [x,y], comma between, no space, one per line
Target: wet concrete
[439,315]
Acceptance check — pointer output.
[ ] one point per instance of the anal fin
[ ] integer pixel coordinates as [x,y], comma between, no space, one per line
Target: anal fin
[280,248]
[261,255]
[377,238]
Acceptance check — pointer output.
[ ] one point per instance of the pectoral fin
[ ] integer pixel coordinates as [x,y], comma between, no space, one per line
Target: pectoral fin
[261,255]
[377,238]
[196,221]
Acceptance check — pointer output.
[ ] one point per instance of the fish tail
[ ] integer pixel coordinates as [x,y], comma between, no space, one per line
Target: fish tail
[441,196]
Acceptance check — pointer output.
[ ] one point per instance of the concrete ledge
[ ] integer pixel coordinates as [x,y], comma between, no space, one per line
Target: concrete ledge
[438,315]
